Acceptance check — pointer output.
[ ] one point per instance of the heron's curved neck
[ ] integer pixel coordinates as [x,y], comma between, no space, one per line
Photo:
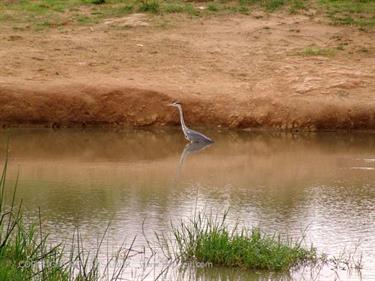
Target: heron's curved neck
[182,118]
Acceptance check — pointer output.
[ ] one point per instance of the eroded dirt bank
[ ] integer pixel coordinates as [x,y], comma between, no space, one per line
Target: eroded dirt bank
[232,71]
[77,104]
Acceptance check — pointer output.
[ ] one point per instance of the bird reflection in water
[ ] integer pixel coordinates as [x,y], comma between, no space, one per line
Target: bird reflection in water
[190,148]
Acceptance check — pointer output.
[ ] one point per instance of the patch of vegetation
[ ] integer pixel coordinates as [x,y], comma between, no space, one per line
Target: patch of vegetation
[213,7]
[98,2]
[178,7]
[272,5]
[152,6]
[207,239]
[317,51]
[24,249]
[297,5]
[269,5]
[85,20]
[348,12]
[174,8]
[243,9]
[26,252]
[191,10]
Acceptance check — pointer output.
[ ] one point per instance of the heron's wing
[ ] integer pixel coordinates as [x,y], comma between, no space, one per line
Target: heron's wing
[198,135]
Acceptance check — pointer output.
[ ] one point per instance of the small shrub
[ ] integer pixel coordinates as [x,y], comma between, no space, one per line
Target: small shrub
[125,9]
[272,5]
[212,7]
[98,2]
[296,5]
[174,8]
[151,6]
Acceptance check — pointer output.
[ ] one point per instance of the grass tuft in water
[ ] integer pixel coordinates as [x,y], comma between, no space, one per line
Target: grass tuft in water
[207,239]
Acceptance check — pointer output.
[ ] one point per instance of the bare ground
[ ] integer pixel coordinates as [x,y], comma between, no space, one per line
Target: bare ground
[230,71]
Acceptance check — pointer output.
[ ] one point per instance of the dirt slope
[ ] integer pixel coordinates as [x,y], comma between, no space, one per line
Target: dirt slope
[232,71]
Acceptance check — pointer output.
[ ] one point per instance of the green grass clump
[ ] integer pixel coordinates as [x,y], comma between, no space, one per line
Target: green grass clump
[349,12]
[272,5]
[151,6]
[209,240]
[212,7]
[177,7]
[174,8]
[98,2]
[317,51]
[297,5]
[241,9]
[269,5]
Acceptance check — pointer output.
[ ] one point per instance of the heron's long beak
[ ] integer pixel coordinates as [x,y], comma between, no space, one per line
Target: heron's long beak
[170,104]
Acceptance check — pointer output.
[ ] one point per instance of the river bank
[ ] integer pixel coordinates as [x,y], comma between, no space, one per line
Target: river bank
[261,70]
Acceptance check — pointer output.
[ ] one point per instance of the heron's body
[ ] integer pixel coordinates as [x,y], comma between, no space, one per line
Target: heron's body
[190,135]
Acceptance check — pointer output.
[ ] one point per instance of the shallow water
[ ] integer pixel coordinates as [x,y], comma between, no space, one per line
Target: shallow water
[322,185]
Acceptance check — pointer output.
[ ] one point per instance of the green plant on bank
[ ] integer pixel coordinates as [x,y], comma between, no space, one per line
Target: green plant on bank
[152,6]
[297,5]
[208,239]
[55,13]
[213,7]
[317,51]
[273,5]
[348,12]
[98,2]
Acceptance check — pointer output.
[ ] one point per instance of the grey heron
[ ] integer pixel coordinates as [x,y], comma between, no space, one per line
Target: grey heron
[190,135]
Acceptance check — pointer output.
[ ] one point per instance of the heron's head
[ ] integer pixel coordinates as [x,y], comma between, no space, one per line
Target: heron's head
[175,104]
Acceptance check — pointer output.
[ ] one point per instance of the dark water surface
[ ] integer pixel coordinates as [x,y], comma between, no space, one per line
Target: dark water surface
[320,184]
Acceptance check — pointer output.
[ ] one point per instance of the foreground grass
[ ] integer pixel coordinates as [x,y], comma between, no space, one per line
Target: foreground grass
[42,14]
[26,252]
[20,244]
[206,239]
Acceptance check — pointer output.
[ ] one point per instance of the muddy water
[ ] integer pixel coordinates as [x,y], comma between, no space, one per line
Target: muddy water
[320,184]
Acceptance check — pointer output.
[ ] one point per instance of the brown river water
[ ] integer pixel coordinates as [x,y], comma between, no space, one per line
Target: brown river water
[320,185]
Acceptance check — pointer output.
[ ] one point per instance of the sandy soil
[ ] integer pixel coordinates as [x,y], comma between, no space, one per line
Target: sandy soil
[230,71]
